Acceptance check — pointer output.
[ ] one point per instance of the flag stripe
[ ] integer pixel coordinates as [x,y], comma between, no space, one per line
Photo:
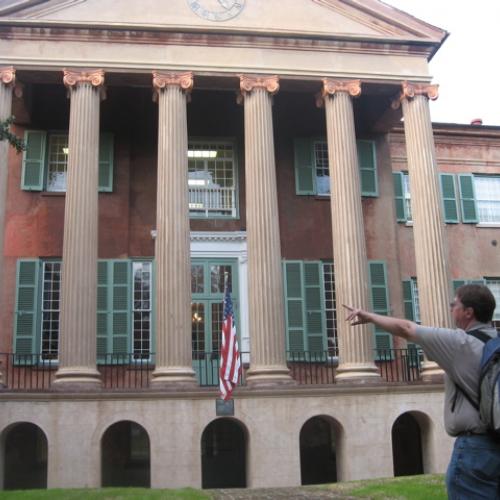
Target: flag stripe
[230,363]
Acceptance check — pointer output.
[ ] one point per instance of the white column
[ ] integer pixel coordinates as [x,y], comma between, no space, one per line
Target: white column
[78,318]
[173,261]
[7,82]
[265,280]
[349,249]
[428,225]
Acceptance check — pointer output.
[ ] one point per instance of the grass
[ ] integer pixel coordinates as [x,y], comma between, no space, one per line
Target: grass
[105,494]
[426,487]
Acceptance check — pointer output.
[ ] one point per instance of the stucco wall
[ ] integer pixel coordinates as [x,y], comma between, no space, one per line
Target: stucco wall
[364,417]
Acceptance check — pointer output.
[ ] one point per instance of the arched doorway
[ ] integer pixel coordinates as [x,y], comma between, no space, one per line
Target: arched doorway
[318,451]
[25,457]
[125,455]
[407,446]
[223,455]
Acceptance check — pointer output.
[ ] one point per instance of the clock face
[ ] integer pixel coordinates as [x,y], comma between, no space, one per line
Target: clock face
[216,10]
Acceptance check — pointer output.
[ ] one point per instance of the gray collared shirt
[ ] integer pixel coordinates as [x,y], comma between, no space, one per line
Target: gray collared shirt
[459,355]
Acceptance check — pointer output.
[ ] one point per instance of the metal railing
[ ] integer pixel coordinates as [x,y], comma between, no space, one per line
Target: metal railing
[31,372]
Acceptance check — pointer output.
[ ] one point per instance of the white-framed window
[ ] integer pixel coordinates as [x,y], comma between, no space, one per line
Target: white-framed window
[407,197]
[212,179]
[487,194]
[50,309]
[322,170]
[45,161]
[142,309]
[494,285]
[330,307]
[416,301]
[57,162]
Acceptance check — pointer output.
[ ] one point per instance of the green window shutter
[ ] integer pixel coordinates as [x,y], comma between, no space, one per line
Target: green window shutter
[467,198]
[368,167]
[397,178]
[294,306]
[26,310]
[380,304]
[103,310]
[314,292]
[408,300]
[305,171]
[449,197]
[33,160]
[106,162]
[121,308]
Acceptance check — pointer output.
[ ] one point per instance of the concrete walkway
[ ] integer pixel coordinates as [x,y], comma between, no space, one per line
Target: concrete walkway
[299,493]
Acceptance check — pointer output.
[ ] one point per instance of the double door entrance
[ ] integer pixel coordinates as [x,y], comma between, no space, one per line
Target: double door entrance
[207,313]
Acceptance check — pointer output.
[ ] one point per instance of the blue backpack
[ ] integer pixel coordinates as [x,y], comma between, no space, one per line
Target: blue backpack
[489,383]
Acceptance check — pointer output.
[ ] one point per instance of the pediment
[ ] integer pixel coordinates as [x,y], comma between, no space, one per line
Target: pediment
[359,19]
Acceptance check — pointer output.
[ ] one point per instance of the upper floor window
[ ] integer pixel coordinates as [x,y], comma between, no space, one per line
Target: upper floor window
[468,198]
[407,196]
[411,300]
[487,191]
[45,161]
[322,171]
[212,181]
[57,162]
[312,171]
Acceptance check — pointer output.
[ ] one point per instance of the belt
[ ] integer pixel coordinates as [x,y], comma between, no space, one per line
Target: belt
[471,433]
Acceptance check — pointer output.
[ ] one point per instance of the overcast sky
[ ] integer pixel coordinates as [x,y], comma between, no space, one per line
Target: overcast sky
[467,66]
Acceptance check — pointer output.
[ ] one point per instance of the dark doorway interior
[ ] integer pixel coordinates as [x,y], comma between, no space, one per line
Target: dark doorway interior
[318,461]
[25,465]
[223,455]
[406,446]
[125,456]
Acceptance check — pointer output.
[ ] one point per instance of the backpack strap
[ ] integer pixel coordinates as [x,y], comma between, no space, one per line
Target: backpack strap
[480,335]
[483,337]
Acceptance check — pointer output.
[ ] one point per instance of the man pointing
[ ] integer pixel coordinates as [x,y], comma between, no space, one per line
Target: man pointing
[474,469]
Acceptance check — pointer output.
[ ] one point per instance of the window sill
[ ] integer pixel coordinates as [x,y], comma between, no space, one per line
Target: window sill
[55,194]
[488,224]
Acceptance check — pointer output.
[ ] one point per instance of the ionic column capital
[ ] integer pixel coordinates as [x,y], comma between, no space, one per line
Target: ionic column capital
[73,78]
[331,87]
[410,90]
[270,83]
[163,80]
[8,75]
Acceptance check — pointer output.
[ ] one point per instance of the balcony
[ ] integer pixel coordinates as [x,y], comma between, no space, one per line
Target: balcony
[212,200]
[128,372]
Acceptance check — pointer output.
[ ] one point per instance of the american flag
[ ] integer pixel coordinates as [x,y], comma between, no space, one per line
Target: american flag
[230,363]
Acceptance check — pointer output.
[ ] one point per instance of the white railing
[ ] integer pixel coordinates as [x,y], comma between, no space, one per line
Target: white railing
[215,200]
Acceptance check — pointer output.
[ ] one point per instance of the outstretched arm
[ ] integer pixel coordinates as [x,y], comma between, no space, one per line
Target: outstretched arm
[395,326]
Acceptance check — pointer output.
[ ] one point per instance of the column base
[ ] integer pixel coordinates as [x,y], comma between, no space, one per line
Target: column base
[431,372]
[357,373]
[174,378]
[77,378]
[269,376]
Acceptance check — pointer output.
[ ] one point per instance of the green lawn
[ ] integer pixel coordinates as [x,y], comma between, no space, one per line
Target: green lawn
[106,494]
[427,487]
